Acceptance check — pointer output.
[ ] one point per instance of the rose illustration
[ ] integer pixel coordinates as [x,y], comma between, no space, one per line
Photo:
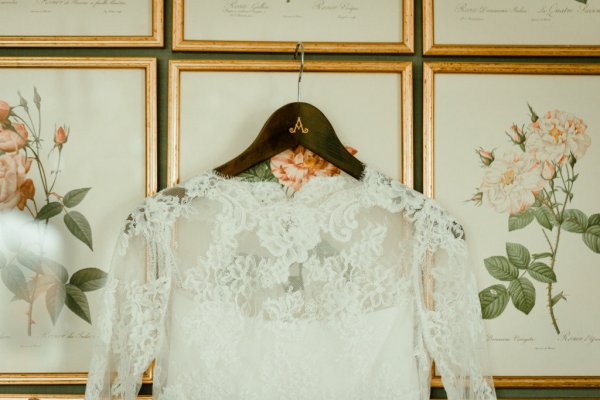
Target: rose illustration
[13,170]
[31,275]
[556,135]
[534,181]
[511,182]
[13,140]
[4,110]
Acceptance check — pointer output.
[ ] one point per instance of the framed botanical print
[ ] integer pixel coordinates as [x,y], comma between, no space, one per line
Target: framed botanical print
[325,26]
[217,108]
[510,150]
[81,23]
[512,27]
[77,153]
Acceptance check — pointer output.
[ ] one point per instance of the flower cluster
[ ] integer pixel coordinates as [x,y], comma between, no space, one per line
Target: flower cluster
[31,273]
[514,177]
[17,155]
[295,167]
[533,179]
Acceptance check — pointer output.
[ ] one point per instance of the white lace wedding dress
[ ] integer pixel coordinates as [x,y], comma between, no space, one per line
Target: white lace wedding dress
[241,292]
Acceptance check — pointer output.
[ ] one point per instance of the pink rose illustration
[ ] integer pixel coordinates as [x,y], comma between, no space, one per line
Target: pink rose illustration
[13,170]
[4,110]
[13,140]
[60,136]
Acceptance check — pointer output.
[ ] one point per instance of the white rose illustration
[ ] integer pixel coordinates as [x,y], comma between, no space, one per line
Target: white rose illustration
[555,135]
[511,182]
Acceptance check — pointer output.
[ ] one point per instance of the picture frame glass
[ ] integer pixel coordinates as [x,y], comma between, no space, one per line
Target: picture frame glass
[532,22]
[76,18]
[290,20]
[84,156]
[523,130]
[228,117]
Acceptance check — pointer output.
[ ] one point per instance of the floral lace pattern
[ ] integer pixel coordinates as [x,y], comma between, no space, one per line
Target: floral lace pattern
[242,292]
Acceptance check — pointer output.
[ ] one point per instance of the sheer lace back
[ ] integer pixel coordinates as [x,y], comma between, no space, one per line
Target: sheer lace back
[242,292]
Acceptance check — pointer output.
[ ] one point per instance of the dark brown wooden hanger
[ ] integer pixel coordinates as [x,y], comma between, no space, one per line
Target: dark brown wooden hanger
[292,125]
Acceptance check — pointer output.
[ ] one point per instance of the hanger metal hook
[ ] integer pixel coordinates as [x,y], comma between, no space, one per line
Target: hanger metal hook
[299,48]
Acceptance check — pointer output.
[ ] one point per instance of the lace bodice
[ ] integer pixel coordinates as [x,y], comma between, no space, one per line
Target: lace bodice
[242,292]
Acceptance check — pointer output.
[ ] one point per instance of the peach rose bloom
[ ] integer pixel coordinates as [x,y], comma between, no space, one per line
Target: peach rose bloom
[13,170]
[556,135]
[511,182]
[4,110]
[295,167]
[13,140]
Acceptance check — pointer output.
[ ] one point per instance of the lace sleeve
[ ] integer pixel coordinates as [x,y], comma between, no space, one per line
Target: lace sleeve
[453,326]
[129,327]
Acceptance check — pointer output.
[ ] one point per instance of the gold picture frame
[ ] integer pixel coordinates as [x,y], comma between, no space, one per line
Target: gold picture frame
[149,397]
[431,47]
[491,72]
[34,396]
[403,46]
[154,39]
[243,72]
[141,71]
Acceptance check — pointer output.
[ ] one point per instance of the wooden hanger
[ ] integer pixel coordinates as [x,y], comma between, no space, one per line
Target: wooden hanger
[292,125]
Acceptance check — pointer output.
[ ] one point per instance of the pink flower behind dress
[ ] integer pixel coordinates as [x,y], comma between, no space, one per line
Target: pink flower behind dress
[295,167]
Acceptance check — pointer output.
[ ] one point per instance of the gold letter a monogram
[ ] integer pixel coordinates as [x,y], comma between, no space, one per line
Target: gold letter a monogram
[299,126]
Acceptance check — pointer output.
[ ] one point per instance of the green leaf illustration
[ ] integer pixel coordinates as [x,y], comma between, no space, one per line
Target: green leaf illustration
[89,279]
[500,268]
[55,300]
[77,302]
[541,272]
[520,221]
[79,226]
[522,294]
[14,279]
[75,197]
[518,255]
[11,238]
[594,219]
[56,269]
[574,221]
[591,238]
[49,210]
[557,298]
[537,256]
[493,301]
[30,260]
[545,217]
